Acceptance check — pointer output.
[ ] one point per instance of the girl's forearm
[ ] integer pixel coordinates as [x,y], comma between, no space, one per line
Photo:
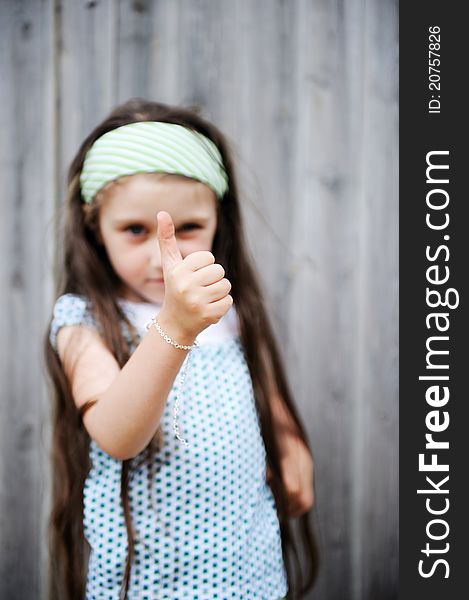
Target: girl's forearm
[285,425]
[128,413]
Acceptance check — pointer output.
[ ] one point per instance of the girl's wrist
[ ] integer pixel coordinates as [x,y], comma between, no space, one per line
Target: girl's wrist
[172,328]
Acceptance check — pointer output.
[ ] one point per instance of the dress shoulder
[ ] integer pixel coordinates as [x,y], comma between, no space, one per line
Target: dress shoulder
[70,309]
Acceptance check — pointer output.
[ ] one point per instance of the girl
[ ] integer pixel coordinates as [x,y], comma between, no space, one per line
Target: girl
[178,454]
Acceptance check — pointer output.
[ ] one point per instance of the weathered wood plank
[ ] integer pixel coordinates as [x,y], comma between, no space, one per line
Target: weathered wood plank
[87,72]
[27,248]
[373,126]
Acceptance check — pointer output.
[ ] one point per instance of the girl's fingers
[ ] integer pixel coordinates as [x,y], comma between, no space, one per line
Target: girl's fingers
[216,291]
[209,274]
[297,476]
[170,253]
[216,310]
[198,260]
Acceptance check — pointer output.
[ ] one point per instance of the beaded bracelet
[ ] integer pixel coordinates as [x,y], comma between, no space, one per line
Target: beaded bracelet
[166,337]
[196,344]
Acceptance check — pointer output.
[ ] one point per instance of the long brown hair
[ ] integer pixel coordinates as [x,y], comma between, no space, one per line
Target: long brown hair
[85,269]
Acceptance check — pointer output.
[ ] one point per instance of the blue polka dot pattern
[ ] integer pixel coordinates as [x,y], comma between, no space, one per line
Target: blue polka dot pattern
[209,529]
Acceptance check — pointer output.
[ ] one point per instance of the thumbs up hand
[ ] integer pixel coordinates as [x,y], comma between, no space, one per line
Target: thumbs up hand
[196,291]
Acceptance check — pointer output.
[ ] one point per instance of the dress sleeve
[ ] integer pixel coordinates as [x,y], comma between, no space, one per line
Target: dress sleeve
[232,321]
[70,309]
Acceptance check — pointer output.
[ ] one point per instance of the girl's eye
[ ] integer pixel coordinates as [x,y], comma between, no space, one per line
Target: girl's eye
[135,229]
[189,226]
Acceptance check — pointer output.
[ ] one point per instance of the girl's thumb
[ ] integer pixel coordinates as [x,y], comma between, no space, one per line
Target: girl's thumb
[170,253]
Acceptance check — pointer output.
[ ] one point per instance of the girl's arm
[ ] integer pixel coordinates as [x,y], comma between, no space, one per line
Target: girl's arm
[285,425]
[297,465]
[296,462]
[131,400]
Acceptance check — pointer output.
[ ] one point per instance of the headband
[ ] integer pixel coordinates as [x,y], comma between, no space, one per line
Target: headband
[148,147]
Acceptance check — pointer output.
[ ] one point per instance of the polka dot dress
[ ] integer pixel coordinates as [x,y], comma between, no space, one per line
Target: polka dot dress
[208,528]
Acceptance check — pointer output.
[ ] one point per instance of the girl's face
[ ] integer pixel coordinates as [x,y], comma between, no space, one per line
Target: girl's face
[128,227]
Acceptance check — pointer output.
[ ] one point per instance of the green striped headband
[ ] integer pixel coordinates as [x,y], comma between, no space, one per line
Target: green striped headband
[149,147]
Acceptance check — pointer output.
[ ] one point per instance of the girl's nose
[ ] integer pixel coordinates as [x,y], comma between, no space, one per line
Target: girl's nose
[154,254]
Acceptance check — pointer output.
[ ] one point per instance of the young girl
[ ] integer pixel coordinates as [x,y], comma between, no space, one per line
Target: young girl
[178,454]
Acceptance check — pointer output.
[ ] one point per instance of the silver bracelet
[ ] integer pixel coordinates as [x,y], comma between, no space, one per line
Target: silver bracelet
[176,408]
[166,337]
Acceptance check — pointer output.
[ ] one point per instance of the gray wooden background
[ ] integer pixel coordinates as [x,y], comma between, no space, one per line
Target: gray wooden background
[307,92]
